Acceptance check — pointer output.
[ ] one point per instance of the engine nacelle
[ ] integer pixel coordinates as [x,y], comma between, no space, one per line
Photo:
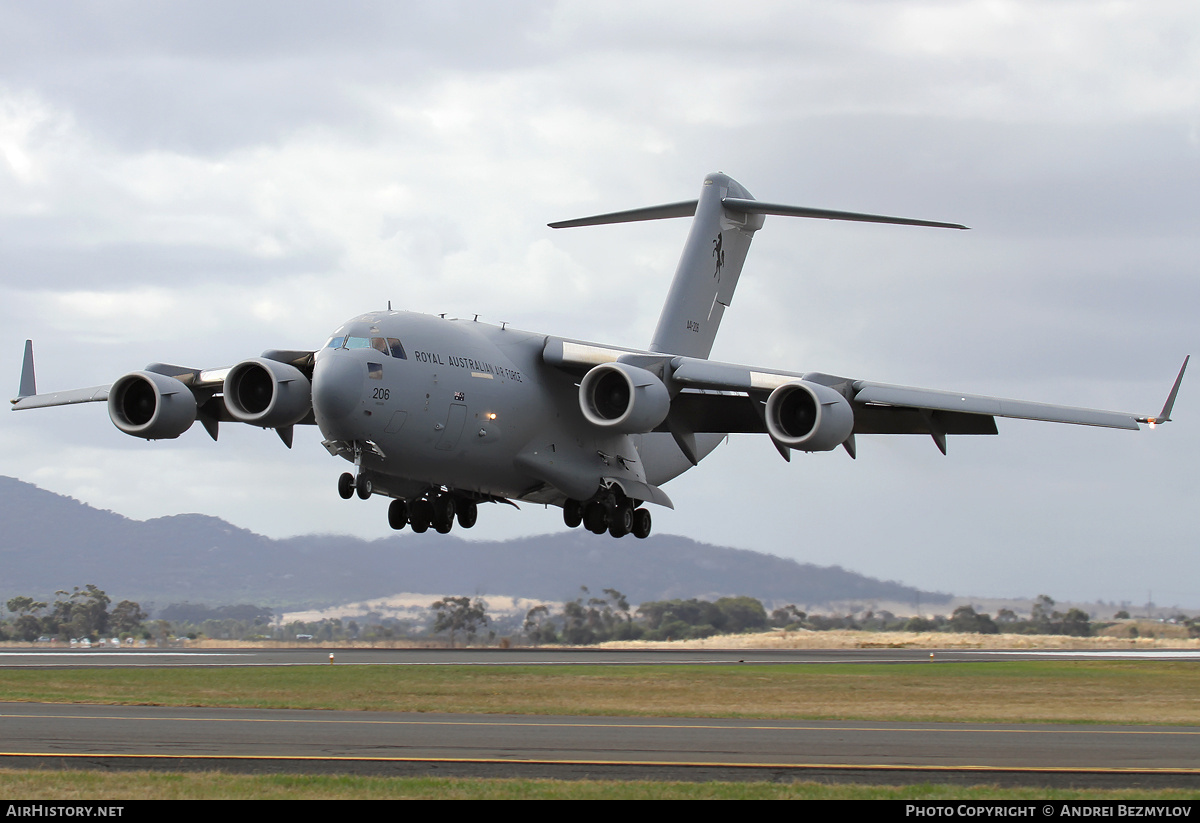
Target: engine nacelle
[150,405]
[267,393]
[809,416]
[623,398]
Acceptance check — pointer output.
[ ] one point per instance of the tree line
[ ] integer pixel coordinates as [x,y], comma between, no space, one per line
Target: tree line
[80,613]
[587,619]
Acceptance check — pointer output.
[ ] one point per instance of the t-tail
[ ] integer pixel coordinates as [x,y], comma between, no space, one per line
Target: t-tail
[725,218]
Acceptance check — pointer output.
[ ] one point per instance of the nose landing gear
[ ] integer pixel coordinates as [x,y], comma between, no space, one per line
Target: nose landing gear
[349,485]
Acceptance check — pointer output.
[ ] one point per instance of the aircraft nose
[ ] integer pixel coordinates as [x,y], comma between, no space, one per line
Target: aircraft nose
[337,388]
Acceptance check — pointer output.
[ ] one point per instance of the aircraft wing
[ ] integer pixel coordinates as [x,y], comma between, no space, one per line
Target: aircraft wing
[96,394]
[882,394]
[195,379]
[710,396]
[162,401]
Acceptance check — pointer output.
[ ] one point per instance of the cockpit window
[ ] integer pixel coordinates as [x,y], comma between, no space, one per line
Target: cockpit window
[383,345]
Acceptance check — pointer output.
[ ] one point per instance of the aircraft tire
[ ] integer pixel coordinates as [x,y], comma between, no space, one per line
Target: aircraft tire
[398,514]
[420,514]
[641,524]
[621,521]
[595,518]
[468,513]
[572,513]
[443,513]
[346,485]
[363,487]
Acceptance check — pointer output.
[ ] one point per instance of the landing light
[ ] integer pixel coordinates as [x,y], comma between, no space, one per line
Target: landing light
[490,415]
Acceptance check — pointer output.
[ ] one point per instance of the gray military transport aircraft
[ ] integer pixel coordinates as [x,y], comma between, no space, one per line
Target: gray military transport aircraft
[441,414]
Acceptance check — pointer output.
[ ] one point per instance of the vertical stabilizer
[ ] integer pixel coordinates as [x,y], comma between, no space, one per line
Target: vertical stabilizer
[708,270]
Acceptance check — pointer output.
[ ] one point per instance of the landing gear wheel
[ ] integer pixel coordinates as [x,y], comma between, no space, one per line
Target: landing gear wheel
[595,518]
[641,524]
[572,513]
[346,485]
[420,514]
[443,513]
[622,521]
[363,487]
[468,513]
[398,514]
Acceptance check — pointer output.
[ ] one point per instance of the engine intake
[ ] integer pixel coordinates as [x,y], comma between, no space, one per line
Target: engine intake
[150,405]
[624,398]
[809,416]
[267,393]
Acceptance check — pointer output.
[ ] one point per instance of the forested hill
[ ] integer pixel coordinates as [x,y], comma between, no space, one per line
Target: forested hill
[50,542]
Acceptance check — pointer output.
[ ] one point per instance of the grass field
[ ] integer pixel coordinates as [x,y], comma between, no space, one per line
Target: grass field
[80,785]
[1119,692]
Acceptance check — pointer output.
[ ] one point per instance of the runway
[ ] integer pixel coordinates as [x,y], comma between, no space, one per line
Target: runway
[64,736]
[78,658]
[385,743]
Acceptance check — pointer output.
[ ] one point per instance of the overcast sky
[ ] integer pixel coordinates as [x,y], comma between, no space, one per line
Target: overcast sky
[195,183]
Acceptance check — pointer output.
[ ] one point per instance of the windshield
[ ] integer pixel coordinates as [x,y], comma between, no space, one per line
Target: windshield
[390,346]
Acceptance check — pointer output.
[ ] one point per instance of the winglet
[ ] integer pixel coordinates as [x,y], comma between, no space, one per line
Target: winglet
[28,383]
[1165,415]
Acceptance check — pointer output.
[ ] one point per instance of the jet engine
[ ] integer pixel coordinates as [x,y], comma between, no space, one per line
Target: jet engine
[809,416]
[150,405]
[623,398]
[267,393]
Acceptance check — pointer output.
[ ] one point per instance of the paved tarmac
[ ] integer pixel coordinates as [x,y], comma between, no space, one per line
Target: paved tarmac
[68,736]
[70,657]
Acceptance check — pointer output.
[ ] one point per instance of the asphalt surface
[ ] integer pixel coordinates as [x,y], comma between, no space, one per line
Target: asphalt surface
[70,657]
[77,736]
[400,743]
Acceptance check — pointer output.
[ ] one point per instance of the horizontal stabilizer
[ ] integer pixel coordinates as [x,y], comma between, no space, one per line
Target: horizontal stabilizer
[744,205]
[750,206]
[684,209]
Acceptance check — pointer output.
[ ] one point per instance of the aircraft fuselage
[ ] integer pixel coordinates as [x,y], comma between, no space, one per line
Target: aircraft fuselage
[463,405]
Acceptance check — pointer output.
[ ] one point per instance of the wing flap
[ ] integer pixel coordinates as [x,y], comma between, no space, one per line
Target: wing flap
[700,412]
[896,420]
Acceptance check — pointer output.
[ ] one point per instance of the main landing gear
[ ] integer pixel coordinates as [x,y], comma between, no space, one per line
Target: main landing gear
[436,509]
[618,516]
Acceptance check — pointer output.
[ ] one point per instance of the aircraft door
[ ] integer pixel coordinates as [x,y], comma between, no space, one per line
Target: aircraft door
[455,420]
